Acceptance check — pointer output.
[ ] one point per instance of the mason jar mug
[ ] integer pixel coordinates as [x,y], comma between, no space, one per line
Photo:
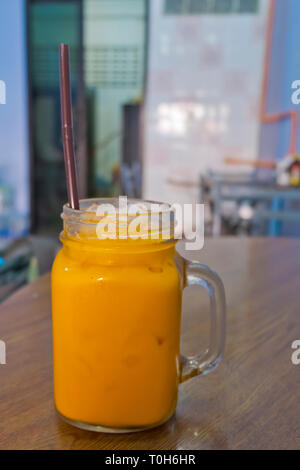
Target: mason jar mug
[116,310]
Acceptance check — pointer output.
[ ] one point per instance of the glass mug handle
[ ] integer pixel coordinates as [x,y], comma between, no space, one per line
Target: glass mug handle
[198,274]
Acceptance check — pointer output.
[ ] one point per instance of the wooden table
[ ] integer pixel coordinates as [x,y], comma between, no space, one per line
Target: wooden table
[252,401]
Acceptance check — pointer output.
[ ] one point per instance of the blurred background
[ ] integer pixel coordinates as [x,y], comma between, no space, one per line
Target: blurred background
[174,100]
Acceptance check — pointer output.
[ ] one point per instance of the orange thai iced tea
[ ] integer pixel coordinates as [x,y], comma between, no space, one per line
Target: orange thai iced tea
[116,307]
[116,328]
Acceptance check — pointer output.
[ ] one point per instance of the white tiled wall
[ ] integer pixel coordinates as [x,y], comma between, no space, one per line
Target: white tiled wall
[204,81]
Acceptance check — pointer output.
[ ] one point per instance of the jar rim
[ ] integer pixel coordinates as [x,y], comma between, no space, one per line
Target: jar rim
[89,215]
[119,218]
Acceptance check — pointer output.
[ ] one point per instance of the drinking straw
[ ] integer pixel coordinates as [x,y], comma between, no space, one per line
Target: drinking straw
[67,126]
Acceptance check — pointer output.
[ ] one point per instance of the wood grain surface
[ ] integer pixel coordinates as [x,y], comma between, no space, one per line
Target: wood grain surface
[252,401]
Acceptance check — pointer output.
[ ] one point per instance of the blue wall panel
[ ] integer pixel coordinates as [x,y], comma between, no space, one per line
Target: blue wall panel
[14,142]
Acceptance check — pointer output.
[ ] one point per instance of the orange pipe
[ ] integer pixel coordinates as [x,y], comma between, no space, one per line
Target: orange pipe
[275,117]
[266,164]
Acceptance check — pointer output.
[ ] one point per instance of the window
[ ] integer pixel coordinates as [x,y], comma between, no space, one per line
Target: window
[197,7]
[173,6]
